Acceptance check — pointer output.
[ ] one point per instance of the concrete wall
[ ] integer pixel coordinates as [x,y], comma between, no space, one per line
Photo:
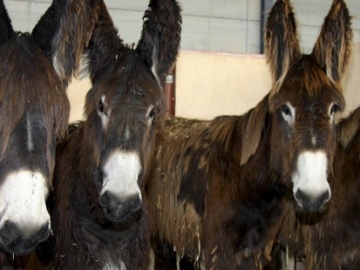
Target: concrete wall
[208,25]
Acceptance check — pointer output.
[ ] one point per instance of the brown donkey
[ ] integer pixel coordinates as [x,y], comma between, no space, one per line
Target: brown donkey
[330,240]
[97,205]
[217,189]
[34,72]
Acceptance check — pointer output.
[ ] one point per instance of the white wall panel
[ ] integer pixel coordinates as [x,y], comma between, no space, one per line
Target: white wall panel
[25,14]
[128,23]
[208,25]
[230,40]
[195,33]
[311,14]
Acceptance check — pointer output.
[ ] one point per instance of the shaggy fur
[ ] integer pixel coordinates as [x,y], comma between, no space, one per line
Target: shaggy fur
[125,85]
[330,240]
[33,93]
[218,188]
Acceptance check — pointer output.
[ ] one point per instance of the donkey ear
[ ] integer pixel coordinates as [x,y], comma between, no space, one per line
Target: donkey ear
[333,46]
[63,33]
[281,41]
[104,45]
[6,30]
[160,37]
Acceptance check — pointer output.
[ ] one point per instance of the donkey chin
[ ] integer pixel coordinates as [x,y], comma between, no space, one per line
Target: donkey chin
[122,210]
[15,240]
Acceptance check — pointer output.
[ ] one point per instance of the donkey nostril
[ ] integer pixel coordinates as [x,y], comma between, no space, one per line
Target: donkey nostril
[300,196]
[323,198]
[135,203]
[141,173]
[11,231]
[44,231]
[104,199]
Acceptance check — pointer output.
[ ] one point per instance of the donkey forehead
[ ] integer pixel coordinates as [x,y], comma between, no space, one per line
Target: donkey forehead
[28,76]
[128,93]
[307,84]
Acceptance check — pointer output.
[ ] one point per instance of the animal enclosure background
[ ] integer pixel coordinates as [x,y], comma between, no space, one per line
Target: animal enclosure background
[211,84]
[219,70]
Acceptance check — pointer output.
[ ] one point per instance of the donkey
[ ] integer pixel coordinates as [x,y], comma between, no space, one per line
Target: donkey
[34,72]
[218,188]
[330,240]
[97,203]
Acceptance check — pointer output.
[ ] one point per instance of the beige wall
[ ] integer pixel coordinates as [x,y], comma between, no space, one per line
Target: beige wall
[351,81]
[77,92]
[208,84]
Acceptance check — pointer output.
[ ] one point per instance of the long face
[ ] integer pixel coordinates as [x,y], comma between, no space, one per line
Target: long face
[126,108]
[31,98]
[303,133]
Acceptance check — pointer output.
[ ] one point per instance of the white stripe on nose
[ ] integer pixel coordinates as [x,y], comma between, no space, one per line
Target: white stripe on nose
[121,172]
[311,174]
[22,200]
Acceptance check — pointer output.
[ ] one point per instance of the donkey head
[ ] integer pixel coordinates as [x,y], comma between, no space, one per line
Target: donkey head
[305,96]
[35,110]
[126,103]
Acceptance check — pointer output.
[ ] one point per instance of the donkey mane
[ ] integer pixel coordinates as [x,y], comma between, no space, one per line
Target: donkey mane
[348,127]
[252,127]
[309,76]
[225,130]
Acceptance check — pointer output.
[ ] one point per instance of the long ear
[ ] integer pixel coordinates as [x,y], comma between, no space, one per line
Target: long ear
[281,41]
[104,46]
[160,37]
[6,30]
[333,46]
[64,31]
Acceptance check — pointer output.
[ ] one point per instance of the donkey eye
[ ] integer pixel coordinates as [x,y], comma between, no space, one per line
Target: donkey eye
[101,106]
[151,114]
[286,110]
[334,109]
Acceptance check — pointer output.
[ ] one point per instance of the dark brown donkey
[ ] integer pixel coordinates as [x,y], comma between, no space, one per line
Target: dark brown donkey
[218,187]
[99,176]
[34,72]
[330,240]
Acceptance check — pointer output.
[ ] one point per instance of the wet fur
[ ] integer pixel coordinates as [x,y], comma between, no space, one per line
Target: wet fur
[218,188]
[30,88]
[84,238]
[330,240]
